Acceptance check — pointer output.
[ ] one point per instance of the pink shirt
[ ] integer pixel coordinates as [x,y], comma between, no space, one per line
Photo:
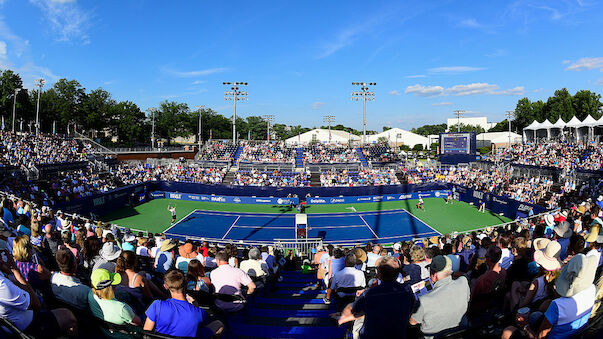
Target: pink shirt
[228,280]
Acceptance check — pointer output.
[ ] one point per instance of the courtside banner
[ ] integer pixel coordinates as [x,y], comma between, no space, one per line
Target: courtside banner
[227,199]
[376,198]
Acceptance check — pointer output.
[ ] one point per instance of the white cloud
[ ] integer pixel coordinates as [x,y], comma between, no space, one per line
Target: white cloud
[470,23]
[198,82]
[415,76]
[538,90]
[394,92]
[497,53]
[190,74]
[455,69]
[463,90]
[318,104]
[565,62]
[443,103]
[599,82]
[67,20]
[425,91]
[2,48]
[586,64]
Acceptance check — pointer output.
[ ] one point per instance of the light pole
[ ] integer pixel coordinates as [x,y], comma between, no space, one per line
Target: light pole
[269,120]
[200,108]
[509,115]
[40,83]
[459,114]
[15,107]
[329,119]
[365,95]
[152,128]
[235,95]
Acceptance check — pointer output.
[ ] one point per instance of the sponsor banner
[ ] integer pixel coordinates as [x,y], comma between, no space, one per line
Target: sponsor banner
[376,198]
[157,195]
[227,199]
[142,197]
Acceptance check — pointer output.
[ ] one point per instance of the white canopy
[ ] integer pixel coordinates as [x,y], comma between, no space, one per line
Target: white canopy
[546,124]
[574,122]
[559,124]
[590,121]
[533,126]
[600,121]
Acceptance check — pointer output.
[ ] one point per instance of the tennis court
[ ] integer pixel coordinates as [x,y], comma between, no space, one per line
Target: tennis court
[376,221]
[381,226]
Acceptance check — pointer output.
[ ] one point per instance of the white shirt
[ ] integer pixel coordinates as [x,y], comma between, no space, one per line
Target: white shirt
[70,290]
[348,277]
[506,259]
[142,251]
[14,303]
[254,268]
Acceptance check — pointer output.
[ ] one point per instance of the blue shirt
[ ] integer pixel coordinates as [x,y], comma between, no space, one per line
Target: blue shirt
[176,317]
[564,242]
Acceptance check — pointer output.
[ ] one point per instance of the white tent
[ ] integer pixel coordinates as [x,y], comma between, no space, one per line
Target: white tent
[321,135]
[559,124]
[397,136]
[600,121]
[500,138]
[533,126]
[574,123]
[589,121]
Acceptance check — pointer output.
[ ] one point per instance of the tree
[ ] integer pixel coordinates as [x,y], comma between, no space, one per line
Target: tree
[63,103]
[96,109]
[386,128]
[171,120]
[426,130]
[9,81]
[127,123]
[467,128]
[559,105]
[587,103]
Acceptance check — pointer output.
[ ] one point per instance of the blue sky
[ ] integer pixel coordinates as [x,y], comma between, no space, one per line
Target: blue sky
[300,57]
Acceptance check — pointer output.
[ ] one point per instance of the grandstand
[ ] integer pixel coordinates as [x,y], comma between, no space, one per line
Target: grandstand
[237,206]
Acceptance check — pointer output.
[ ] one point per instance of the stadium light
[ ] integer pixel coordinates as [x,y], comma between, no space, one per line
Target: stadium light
[200,141]
[329,119]
[15,107]
[40,83]
[510,115]
[234,94]
[269,120]
[365,95]
[458,113]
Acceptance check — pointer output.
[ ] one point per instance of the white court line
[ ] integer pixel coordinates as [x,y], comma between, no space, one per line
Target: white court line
[412,215]
[369,227]
[267,227]
[348,226]
[186,216]
[231,226]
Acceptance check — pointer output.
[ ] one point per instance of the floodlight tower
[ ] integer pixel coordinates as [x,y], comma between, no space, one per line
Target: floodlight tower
[269,120]
[329,119]
[200,141]
[235,94]
[40,83]
[365,95]
[510,115]
[15,107]
[458,113]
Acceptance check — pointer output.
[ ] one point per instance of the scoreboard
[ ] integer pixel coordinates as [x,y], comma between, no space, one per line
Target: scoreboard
[457,143]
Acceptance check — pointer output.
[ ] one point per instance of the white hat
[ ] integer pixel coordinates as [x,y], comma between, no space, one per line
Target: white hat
[129,238]
[550,220]
[105,232]
[397,246]
[110,251]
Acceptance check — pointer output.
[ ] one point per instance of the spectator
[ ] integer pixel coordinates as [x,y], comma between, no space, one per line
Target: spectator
[102,302]
[506,257]
[164,260]
[381,311]
[28,262]
[195,277]
[186,253]
[65,286]
[178,316]
[453,293]
[349,276]
[228,280]
[373,256]
[108,255]
[255,268]
[562,234]
[489,283]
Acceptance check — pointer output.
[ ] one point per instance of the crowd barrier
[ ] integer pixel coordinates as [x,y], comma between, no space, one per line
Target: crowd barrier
[376,198]
[224,198]
[510,208]
[107,202]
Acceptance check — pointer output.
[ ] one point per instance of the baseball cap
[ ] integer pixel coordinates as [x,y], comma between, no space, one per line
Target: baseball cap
[101,278]
[440,263]
[397,246]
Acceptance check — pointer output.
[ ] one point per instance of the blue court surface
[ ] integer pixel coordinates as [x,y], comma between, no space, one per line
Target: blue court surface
[335,228]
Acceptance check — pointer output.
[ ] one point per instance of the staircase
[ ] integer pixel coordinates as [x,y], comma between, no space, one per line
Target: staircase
[299,157]
[237,154]
[363,160]
[315,179]
[294,310]
[229,176]
[401,178]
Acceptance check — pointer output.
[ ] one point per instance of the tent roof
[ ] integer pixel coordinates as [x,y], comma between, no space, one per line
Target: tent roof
[574,122]
[589,121]
[560,123]
[546,124]
[533,126]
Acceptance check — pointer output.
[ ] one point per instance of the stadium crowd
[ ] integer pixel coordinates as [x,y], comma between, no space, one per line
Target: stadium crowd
[365,177]
[329,154]
[563,155]
[137,172]
[29,150]
[274,178]
[275,152]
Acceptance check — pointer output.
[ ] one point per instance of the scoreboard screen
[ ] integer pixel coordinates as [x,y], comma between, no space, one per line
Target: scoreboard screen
[457,143]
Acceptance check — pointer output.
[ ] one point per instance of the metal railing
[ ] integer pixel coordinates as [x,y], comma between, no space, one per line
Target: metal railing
[301,247]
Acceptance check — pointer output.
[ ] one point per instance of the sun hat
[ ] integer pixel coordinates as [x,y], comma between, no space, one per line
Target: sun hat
[540,243]
[105,232]
[549,220]
[187,251]
[110,251]
[564,213]
[168,244]
[397,246]
[142,241]
[549,257]
[581,209]
[577,275]
[101,278]
[441,263]
[434,240]
[129,238]
[360,255]
[563,229]
[467,241]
